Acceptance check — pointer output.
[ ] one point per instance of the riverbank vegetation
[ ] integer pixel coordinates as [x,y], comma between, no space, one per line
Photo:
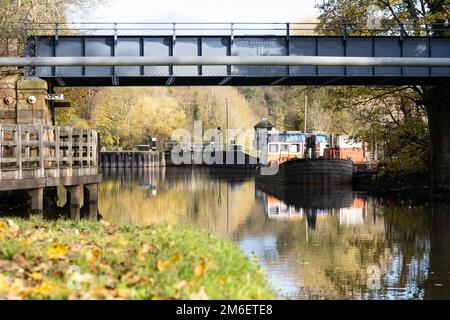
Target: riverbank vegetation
[391,121]
[126,117]
[98,260]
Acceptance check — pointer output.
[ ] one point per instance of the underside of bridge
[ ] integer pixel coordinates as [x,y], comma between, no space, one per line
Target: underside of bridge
[179,81]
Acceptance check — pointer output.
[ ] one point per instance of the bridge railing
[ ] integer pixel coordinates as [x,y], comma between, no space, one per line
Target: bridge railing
[41,151]
[19,34]
[223,28]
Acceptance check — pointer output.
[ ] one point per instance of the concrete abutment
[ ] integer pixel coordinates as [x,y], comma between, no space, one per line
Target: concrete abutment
[438,105]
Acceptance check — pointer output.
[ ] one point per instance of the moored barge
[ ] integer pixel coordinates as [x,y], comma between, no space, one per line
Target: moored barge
[305,171]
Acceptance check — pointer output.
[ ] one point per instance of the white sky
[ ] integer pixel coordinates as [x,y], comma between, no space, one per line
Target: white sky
[201,11]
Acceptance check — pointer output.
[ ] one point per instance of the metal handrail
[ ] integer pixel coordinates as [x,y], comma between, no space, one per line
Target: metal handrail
[231,27]
[225,60]
[40,151]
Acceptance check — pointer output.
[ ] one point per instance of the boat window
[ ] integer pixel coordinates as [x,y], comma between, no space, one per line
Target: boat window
[294,148]
[273,148]
[274,209]
[284,148]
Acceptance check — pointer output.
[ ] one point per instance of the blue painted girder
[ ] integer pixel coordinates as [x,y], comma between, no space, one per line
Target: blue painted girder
[79,46]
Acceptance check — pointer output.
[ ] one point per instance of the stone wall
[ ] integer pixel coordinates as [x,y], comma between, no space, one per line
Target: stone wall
[17,105]
[8,98]
[439,121]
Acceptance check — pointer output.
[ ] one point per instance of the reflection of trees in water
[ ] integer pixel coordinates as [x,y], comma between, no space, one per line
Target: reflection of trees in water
[331,261]
[183,195]
[311,218]
[399,238]
[407,226]
[438,285]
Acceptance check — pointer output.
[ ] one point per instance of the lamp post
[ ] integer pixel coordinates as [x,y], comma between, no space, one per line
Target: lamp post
[226,106]
[306,107]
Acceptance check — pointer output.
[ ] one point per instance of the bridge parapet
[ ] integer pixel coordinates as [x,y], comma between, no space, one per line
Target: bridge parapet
[363,28]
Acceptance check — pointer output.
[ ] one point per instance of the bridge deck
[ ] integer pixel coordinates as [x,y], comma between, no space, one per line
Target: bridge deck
[254,45]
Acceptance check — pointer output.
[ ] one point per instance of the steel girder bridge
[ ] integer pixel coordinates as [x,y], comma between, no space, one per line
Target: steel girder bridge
[244,54]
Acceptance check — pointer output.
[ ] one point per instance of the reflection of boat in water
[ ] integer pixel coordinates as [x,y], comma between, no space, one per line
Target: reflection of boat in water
[277,209]
[353,215]
[221,173]
[288,203]
[310,196]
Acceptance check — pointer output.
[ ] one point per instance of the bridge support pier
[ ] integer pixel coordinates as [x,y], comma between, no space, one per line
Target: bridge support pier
[90,205]
[438,103]
[37,202]
[74,199]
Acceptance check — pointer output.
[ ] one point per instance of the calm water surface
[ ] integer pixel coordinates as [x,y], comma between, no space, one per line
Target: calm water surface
[313,243]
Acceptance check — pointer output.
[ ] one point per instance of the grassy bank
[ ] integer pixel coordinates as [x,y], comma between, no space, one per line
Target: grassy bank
[97,260]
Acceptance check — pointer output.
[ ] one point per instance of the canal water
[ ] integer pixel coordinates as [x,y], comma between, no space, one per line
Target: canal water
[313,243]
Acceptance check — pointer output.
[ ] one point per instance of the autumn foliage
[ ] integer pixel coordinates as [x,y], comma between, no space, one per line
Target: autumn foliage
[91,260]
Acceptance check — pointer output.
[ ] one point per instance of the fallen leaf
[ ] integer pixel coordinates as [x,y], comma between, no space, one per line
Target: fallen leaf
[222,279]
[177,256]
[131,278]
[200,295]
[93,255]
[109,227]
[145,250]
[57,251]
[19,288]
[123,241]
[36,276]
[181,284]
[199,269]
[105,223]
[164,264]
[148,248]
[13,227]
[20,260]
[4,283]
